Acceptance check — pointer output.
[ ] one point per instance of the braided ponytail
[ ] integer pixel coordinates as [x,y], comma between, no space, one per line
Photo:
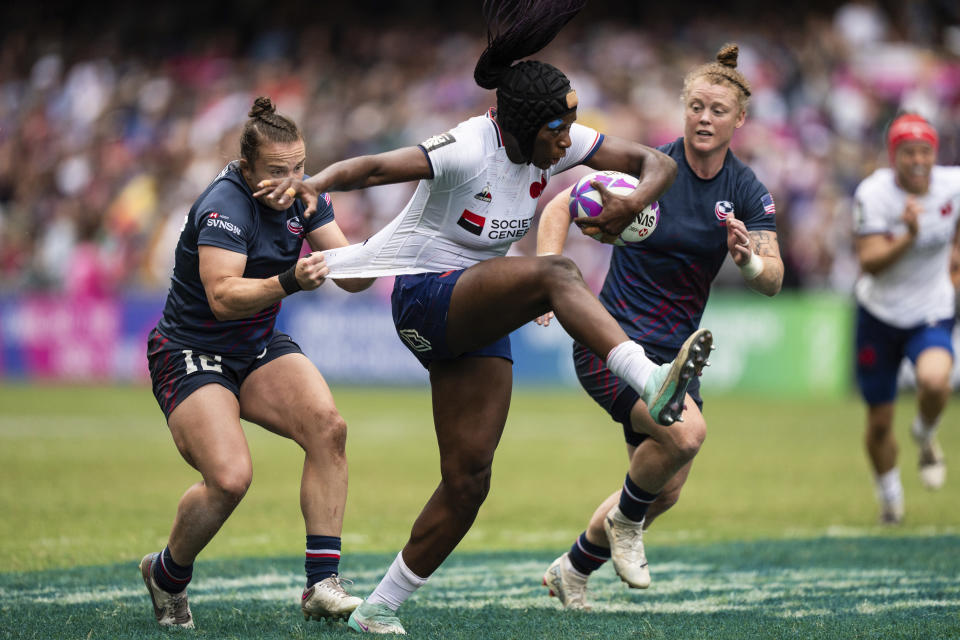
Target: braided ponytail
[529,93]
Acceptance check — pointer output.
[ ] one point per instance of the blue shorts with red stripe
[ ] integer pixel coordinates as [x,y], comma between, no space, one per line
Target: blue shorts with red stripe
[616,396]
[420,303]
[177,370]
[881,348]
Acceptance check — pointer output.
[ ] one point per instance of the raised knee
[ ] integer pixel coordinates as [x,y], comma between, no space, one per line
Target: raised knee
[689,438]
[561,268]
[232,482]
[937,384]
[324,429]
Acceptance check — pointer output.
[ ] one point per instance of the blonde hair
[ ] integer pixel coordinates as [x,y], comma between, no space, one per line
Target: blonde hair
[723,72]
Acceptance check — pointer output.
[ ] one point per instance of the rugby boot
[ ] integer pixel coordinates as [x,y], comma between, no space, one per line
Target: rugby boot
[667,386]
[567,584]
[170,609]
[328,599]
[626,548]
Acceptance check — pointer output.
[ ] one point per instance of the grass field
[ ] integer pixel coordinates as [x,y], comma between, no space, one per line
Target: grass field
[775,535]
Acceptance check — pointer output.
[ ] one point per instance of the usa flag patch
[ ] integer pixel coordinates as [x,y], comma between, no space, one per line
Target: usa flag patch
[768,207]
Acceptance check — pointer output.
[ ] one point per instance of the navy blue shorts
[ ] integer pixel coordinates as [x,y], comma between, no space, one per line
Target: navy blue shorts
[616,396]
[177,369]
[420,304]
[881,348]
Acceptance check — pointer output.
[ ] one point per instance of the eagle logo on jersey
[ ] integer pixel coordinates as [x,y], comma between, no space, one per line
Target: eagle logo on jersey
[294,226]
[723,208]
[471,222]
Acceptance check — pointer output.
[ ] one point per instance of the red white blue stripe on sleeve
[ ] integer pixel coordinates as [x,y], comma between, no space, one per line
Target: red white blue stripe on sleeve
[323,553]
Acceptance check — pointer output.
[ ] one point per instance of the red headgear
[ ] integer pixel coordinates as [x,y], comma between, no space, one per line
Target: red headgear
[909,127]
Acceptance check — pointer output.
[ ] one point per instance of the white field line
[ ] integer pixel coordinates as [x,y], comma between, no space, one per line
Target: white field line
[677,588]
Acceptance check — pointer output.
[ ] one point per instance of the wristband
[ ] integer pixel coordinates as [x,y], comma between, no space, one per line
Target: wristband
[288,280]
[753,268]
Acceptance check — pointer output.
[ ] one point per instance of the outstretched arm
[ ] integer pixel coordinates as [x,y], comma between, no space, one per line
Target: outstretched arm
[399,165]
[656,172]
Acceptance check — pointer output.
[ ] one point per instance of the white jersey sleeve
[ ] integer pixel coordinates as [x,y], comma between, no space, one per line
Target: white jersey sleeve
[874,210]
[454,157]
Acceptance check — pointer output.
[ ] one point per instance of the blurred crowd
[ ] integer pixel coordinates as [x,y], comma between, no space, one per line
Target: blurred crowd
[105,144]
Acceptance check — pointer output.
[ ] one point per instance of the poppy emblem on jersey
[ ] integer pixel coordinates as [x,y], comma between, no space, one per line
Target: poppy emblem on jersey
[946,209]
[471,222]
[537,187]
[294,226]
[723,209]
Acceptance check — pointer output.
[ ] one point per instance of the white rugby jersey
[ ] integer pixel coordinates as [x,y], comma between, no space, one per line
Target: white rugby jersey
[476,205]
[916,289]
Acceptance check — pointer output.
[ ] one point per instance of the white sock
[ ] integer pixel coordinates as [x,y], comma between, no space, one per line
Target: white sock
[922,431]
[398,585]
[630,363]
[889,488]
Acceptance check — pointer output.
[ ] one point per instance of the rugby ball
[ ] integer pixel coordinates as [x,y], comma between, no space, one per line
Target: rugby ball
[585,202]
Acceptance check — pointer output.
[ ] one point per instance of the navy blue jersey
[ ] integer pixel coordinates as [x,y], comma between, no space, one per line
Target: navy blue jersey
[226,215]
[657,289]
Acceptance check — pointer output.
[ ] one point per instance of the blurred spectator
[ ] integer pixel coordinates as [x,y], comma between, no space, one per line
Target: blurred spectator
[105,141]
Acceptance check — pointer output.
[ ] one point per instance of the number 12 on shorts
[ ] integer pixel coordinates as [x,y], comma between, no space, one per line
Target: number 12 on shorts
[206,362]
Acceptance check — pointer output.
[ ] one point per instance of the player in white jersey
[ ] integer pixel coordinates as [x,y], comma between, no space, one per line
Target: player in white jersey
[906,223]
[458,296]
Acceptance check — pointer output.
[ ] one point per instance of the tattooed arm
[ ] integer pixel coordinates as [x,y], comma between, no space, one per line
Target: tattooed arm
[766,246]
[760,247]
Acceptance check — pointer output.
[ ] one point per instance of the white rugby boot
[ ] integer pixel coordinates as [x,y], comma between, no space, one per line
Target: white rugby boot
[328,599]
[932,467]
[567,584]
[170,609]
[375,618]
[626,548]
[891,512]
[666,388]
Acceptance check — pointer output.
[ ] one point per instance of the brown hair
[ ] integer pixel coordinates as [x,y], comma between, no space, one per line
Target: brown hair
[265,125]
[723,72]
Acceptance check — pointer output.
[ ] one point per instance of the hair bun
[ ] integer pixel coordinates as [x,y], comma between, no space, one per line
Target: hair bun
[728,54]
[261,106]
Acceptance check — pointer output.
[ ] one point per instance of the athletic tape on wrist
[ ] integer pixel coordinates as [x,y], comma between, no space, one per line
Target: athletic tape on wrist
[753,268]
[288,280]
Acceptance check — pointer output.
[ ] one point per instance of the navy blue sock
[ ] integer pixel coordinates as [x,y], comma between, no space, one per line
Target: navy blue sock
[634,501]
[323,558]
[587,557]
[170,576]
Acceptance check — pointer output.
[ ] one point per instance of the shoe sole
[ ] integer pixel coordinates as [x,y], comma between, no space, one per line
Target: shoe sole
[667,406]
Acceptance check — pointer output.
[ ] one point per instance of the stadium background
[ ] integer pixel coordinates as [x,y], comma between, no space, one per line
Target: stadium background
[112,121]
[114,116]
